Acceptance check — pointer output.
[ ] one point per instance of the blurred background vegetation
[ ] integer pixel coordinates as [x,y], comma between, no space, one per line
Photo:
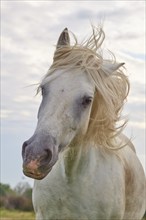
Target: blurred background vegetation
[18,198]
[16,203]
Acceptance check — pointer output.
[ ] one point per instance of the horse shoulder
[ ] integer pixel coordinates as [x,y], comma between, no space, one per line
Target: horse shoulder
[134,181]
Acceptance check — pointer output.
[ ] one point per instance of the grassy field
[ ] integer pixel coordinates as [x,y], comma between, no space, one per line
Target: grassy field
[15,215]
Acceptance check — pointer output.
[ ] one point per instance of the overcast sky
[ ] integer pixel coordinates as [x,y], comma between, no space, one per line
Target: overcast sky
[29,31]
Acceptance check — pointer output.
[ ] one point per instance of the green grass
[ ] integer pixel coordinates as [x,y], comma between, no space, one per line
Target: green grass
[16,215]
[19,215]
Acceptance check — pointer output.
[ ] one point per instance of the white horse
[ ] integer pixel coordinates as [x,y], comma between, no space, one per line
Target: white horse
[84,167]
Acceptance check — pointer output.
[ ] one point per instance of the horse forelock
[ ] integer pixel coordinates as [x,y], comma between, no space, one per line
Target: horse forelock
[111,89]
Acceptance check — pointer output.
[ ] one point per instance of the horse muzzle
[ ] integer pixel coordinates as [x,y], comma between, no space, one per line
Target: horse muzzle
[39,154]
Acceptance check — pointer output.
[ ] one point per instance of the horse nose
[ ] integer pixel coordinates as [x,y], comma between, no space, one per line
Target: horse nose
[45,156]
[38,162]
[48,156]
[39,153]
[26,144]
[24,147]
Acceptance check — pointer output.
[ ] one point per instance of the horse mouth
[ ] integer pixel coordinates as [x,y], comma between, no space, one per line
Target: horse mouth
[36,174]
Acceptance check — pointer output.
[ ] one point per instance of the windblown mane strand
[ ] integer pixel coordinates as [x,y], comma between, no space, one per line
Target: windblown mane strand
[111,88]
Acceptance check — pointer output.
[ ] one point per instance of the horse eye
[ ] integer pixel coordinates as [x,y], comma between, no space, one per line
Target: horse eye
[86,100]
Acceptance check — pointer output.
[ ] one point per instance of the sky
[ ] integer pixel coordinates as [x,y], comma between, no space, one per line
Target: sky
[29,32]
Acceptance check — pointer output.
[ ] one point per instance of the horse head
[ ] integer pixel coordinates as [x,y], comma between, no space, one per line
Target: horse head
[68,92]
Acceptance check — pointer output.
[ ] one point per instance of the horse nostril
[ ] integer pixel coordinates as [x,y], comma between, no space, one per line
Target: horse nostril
[48,156]
[25,144]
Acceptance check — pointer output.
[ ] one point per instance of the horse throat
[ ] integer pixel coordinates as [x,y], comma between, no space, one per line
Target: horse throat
[74,162]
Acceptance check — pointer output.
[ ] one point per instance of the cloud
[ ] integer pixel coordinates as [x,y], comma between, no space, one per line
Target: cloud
[138,56]
[5,113]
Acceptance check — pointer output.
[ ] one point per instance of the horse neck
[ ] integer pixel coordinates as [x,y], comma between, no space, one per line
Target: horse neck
[75,159]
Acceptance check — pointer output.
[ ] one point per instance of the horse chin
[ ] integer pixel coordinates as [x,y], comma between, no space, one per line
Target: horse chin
[38,175]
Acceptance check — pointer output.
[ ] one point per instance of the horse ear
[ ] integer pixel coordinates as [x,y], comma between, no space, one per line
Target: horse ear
[64,39]
[109,67]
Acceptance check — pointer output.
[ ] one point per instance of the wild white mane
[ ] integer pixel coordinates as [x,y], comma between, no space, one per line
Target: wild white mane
[112,88]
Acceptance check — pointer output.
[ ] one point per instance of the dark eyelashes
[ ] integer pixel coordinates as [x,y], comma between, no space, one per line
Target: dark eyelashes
[86,101]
